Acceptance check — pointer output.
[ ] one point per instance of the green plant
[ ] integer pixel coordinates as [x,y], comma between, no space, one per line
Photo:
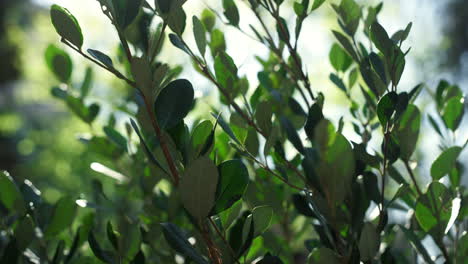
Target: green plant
[196,193]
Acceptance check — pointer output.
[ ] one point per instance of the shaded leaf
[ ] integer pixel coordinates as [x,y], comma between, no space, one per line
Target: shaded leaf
[369,242]
[232,183]
[10,196]
[453,112]
[433,209]
[408,131]
[66,25]
[174,103]
[62,216]
[106,60]
[200,36]
[59,62]
[445,162]
[198,187]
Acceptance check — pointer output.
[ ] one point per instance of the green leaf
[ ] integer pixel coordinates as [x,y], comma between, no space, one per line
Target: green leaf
[141,71]
[103,58]
[177,42]
[313,118]
[200,134]
[129,240]
[262,218]
[24,233]
[323,256]
[300,8]
[282,29]
[339,59]
[208,19]
[413,94]
[148,152]
[251,142]
[337,163]
[369,242]
[391,148]
[231,12]
[317,4]
[352,78]
[103,255]
[434,124]
[218,42]
[174,102]
[87,82]
[232,183]
[380,38]
[198,187]
[350,13]
[269,259]
[66,25]
[228,216]
[292,134]
[346,44]
[177,240]
[271,140]
[126,11]
[163,5]
[386,107]
[177,19]
[87,113]
[62,217]
[112,236]
[462,249]
[59,62]
[338,82]
[408,131]
[433,209]
[225,70]
[263,116]
[416,243]
[402,35]
[200,36]
[295,107]
[453,112]
[116,137]
[225,126]
[445,162]
[10,195]
[378,65]
[241,234]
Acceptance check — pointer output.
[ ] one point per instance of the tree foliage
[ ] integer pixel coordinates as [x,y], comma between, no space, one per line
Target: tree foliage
[268,178]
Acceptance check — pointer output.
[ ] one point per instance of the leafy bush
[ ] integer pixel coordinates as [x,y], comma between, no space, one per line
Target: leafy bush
[276,182]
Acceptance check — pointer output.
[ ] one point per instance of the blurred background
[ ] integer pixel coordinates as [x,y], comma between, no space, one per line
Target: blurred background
[39,136]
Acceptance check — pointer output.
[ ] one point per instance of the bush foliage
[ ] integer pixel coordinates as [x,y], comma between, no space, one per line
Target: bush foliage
[267,177]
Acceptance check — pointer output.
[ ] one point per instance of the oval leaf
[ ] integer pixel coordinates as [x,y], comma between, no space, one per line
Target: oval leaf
[59,62]
[200,36]
[10,196]
[233,181]
[445,162]
[198,187]
[174,103]
[408,131]
[62,217]
[66,25]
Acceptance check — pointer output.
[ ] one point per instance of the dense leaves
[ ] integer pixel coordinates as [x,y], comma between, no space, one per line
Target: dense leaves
[280,182]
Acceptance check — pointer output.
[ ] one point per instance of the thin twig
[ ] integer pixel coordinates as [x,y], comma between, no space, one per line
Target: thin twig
[111,70]
[162,141]
[408,168]
[212,250]
[220,234]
